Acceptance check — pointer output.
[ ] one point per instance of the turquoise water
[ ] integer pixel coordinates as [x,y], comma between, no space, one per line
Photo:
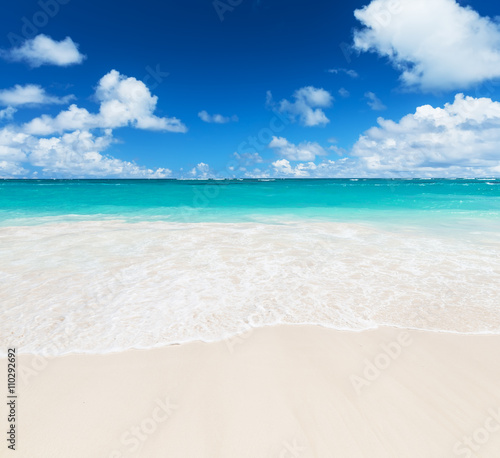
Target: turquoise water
[418,201]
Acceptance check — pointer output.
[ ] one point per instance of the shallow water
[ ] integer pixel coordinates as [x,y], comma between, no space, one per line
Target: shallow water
[94,281]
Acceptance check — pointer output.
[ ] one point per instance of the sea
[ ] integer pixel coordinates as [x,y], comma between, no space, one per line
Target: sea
[98,266]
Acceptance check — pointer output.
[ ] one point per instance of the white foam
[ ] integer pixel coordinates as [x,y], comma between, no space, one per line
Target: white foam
[108,285]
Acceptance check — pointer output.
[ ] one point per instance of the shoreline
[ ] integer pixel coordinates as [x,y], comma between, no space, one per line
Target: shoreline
[159,284]
[49,355]
[276,391]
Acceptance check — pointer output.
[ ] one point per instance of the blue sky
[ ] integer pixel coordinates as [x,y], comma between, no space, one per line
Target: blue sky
[249,88]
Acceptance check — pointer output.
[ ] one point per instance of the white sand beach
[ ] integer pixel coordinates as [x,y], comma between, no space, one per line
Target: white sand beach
[286,391]
[250,229]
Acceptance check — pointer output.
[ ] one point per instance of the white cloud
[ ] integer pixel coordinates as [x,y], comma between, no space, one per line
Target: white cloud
[202,171]
[341,168]
[127,100]
[216,118]
[307,106]
[7,113]
[11,170]
[337,150]
[269,100]
[257,173]
[247,159]
[12,144]
[343,92]
[348,72]
[305,151]
[461,138]
[43,50]
[283,167]
[30,94]
[71,119]
[78,154]
[75,151]
[436,44]
[374,102]
[123,101]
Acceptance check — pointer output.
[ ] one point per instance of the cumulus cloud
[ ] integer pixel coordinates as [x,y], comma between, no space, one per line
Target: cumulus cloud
[127,100]
[11,170]
[201,171]
[43,50]
[7,113]
[306,106]
[78,154]
[436,44]
[12,145]
[374,102]
[283,167]
[348,72]
[216,118]
[30,94]
[462,137]
[65,145]
[305,151]
[123,101]
[341,168]
[71,119]
[459,140]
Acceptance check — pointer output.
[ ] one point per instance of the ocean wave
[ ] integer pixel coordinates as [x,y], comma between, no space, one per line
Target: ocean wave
[104,286]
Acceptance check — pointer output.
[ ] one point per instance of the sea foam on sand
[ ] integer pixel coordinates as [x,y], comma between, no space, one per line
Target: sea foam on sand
[104,286]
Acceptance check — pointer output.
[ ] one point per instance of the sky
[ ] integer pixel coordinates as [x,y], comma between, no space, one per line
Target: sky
[249,88]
